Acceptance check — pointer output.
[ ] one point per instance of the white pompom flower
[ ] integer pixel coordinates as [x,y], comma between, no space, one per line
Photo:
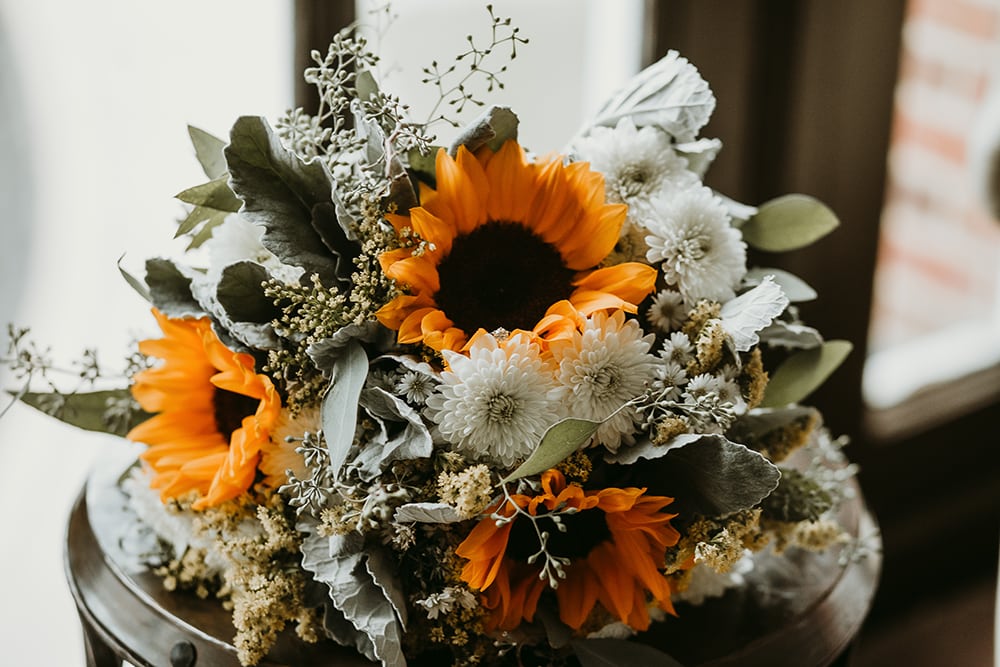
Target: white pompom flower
[603,367]
[701,253]
[494,404]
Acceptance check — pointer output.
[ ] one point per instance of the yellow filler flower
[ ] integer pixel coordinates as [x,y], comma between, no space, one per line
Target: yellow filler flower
[508,244]
[615,544]
[214,414]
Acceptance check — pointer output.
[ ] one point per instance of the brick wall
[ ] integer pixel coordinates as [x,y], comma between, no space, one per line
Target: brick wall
[939,252]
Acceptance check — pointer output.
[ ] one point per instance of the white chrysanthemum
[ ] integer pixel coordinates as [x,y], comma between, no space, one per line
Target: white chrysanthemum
[637,163]
[729,392]
[237,240]
[671,374]
[668,311]
[677,348]
[602,368]
[703,385]
[496,403]
[701,253]
[281,456]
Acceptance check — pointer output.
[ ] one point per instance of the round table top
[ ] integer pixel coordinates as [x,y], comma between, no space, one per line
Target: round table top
[803,609]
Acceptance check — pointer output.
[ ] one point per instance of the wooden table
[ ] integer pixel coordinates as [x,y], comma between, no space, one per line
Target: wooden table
[809,617]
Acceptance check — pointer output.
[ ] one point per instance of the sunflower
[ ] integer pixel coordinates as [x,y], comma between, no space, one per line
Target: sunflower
[213,417]
[508,244]
[615,542]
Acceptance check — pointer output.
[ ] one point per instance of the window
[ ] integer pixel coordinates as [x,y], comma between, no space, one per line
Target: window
[94,102]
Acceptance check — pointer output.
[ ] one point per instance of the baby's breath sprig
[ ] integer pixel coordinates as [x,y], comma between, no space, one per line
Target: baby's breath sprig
[456,94]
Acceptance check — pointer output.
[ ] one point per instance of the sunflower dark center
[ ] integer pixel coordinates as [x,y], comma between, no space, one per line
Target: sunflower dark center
[501,275]
[230,409]
[584,531]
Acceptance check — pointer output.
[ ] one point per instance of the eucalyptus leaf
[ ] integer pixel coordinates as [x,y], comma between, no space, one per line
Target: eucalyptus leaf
[132,281]
[796,289]
[240,292]
[427,513]
[789,222]
[279,191]
[759,423]
[339,412]
[109,411]
[170,290]
[791,335]
[619,653]
[492,129]
[742,317]
[365,85]
[424,166]
[803,372]
[669,94]
[559,441]
[209,151]
[215,194]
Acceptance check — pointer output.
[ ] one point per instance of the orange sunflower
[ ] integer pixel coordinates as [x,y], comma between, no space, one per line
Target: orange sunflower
[214,414]
[615,544]
[508,244]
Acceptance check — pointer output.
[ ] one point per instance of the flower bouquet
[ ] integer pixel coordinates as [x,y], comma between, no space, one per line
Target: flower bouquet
[464,403]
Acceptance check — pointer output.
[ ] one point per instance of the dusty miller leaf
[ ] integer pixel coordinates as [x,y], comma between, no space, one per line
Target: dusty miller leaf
[700,154]
[706,473]
[324,353]
[790,335]
[279,192]
[559,441]
[745,315]
[356,595]
[209,151]
[619,653]
[789,222]
[492,128]
[669,94]
[241,294]
[403,433]
[803,372]
[426,513]
[339,412]
[170,290]
[384,571]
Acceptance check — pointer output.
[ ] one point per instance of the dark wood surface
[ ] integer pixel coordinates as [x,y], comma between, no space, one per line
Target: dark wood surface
[802,611]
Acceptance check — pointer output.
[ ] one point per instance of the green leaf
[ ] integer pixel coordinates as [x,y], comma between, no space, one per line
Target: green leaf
[215,194]
[279,191]
[209,151]
[424,166]
[195,217]
[133,282]
[339,411]
[366,85]
[796,289]
[110,411]
[789,222]
[493,128]
[170,290]
[241,295]
[559,441]
[207,229]
[803,372]
[619,653]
